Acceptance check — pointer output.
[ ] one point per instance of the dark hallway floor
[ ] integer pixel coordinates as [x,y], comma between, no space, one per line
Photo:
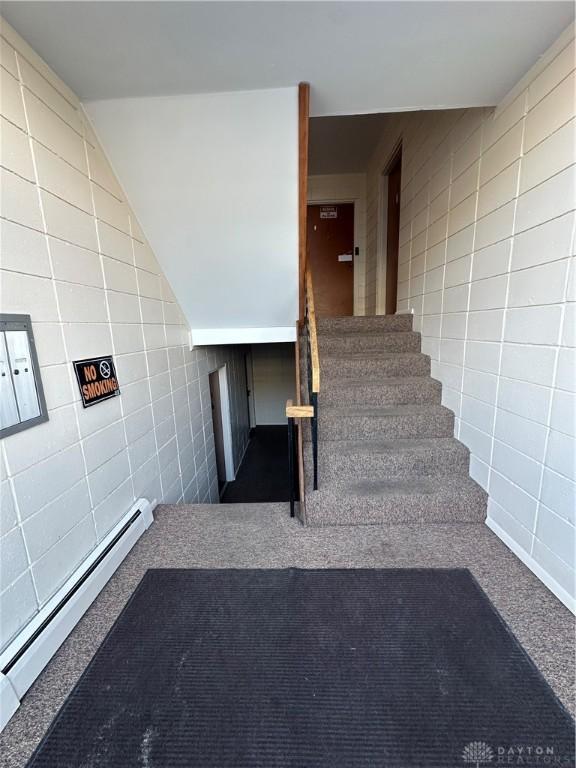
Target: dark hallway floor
[263,474]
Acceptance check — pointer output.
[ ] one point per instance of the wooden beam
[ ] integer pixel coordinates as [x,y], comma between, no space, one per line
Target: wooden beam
[298,411]
[303,118]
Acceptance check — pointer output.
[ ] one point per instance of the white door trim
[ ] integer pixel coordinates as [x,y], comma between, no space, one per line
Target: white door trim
[381,244]
[382,230]
[250,388]
[226,423]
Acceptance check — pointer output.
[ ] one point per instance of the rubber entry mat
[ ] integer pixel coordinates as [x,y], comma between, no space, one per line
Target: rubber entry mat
[305,668]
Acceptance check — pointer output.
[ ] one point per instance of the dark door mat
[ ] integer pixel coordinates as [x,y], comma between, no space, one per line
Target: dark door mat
[304,668]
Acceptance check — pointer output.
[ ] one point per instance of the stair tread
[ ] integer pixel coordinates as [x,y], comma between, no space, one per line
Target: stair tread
[381,410]
[343,322]
[367,334]
[378,354]
[402,487]
[381,381]
[398,445]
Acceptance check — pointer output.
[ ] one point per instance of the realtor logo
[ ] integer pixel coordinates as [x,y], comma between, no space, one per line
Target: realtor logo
[477,753]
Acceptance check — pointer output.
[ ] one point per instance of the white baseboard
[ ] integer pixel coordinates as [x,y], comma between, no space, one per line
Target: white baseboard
[9,701]
[554,587]
[27,655]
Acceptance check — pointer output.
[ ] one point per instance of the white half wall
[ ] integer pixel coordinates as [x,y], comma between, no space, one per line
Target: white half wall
[213,179]
[207,336]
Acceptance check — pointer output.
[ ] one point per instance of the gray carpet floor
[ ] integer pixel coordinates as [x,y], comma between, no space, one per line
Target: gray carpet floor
[264,536]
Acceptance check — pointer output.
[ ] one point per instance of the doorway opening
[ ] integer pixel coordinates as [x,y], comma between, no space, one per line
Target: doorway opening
[221,423]
[392,186]
[330,243]
[262,474]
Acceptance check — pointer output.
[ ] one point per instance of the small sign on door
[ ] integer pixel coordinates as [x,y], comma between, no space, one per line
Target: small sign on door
[96,379]
[328,212]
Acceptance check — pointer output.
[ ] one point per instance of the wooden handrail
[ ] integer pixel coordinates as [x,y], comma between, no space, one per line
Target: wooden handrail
[312,330]
[295,413]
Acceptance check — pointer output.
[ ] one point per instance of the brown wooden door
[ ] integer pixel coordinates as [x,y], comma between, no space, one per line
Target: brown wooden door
[393,235]
[330,236]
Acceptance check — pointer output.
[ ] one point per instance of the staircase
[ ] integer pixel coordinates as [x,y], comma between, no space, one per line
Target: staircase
[386,451]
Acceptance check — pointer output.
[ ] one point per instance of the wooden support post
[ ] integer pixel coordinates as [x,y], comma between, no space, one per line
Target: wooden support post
[303,117]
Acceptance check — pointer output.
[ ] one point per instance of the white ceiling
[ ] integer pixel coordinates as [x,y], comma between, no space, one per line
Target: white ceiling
[359,56]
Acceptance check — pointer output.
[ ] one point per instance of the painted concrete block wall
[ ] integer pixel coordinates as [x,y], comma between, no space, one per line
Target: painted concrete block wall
[487,266]
[218,201]
[74,258]
[347,188]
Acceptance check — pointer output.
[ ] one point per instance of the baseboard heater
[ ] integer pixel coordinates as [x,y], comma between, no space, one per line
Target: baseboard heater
[27,655]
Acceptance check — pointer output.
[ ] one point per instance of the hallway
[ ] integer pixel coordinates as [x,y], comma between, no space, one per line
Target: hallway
[263,473]
[263,536]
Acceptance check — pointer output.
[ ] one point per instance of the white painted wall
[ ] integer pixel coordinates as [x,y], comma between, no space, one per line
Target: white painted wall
[487,266]
[274,381]
[75,259]
[213,179]
[347,188]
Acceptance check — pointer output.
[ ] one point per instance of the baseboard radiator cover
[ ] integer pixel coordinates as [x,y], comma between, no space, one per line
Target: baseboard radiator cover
[31,650]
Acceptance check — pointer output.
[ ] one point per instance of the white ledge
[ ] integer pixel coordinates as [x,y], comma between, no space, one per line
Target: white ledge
[210,336]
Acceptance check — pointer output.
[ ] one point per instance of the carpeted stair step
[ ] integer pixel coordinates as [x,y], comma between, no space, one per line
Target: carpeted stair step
[386,451]
[397,500]
[380,391]
[340,461]
[382,422]
[373,364]
[372,341]
[361,324]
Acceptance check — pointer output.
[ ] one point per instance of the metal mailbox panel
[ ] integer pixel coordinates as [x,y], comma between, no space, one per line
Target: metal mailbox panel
[23,374]
[8,408]
[22,396]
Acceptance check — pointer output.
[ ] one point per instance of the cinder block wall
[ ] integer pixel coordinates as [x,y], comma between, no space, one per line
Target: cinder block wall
[487,267]
[74,258]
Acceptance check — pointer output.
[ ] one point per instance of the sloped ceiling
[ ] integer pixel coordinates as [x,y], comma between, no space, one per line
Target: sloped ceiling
[360,57]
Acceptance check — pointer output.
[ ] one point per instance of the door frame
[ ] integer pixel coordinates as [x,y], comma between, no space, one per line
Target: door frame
[226,422]
[382,231]
[356,259]
[248,360]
